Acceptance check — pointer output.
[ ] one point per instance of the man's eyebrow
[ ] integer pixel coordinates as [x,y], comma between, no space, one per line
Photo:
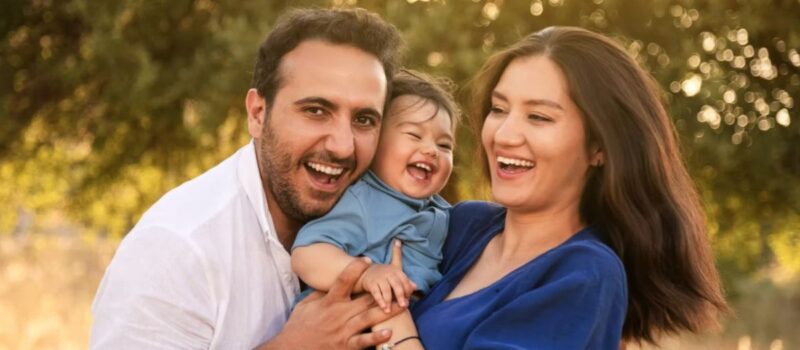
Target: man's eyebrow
[532,101]
[316,100]
[332,106]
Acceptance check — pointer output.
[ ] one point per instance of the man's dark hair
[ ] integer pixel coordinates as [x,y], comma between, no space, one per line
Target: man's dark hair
[355,27]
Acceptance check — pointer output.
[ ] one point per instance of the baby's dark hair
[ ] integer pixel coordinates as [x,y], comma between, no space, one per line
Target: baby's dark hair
[438,90]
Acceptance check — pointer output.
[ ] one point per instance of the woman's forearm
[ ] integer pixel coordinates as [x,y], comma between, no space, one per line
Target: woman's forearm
[403,330]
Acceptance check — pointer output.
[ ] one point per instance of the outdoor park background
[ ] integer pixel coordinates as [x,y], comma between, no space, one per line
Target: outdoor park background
[106,105]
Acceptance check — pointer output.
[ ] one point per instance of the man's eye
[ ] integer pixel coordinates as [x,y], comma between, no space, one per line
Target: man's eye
[365,120]
[316,111]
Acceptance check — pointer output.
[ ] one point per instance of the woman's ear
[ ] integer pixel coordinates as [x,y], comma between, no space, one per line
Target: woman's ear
[256,113]
[597,158]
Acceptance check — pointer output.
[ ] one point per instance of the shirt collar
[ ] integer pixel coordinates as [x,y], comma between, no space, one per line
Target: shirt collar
[250,180]
[435,200]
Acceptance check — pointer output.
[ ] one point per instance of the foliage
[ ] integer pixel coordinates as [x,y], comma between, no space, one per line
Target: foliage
[107,105]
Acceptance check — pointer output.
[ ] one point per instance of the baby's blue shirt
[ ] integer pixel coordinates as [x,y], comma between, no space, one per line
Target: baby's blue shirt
[371,214]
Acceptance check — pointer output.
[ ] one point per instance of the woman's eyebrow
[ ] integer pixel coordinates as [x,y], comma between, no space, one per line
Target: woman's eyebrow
[531,101]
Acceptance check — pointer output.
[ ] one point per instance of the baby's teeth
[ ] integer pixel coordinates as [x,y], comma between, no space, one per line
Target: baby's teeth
[422,166]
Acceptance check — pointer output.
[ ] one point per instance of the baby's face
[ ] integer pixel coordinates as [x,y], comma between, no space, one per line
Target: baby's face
[415,151]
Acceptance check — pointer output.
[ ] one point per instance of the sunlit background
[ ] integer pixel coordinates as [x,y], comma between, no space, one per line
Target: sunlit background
[106,105]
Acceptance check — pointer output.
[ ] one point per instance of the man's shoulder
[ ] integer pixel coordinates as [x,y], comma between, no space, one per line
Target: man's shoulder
[194,203]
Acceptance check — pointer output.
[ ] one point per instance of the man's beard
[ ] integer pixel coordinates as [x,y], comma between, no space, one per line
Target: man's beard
[276,165]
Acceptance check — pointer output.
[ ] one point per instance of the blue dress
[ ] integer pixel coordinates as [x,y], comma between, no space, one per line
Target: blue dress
[573,296]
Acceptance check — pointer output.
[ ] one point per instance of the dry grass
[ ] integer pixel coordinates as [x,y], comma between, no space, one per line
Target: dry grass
[47,284]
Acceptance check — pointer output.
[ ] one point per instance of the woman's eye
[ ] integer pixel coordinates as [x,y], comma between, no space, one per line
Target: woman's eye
[496,110]
[539,117]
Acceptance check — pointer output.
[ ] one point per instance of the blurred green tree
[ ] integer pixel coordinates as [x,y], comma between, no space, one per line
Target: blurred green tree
[108,105]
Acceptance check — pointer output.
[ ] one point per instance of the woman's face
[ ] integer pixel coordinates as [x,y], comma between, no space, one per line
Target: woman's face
[534,139]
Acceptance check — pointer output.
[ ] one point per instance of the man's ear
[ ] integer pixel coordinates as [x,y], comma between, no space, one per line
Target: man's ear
[256,113]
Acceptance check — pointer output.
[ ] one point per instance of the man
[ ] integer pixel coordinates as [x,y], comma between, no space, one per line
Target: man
[208,265]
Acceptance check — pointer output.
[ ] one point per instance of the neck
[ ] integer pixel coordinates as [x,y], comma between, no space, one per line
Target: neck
[530,233]
[285,226]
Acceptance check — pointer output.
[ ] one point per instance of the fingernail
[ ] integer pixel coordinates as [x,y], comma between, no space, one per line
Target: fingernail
[396,242]
[367,260]
[384,332]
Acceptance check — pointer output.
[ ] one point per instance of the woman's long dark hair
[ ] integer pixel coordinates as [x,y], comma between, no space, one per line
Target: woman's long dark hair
[642,198]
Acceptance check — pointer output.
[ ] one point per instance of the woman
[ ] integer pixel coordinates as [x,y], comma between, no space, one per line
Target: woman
[597,236]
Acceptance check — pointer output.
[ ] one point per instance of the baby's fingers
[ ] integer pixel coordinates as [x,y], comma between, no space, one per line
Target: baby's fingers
[386,292]
[375,290]
[399,291]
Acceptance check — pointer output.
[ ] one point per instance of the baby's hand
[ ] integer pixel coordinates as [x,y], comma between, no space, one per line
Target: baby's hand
[381,280]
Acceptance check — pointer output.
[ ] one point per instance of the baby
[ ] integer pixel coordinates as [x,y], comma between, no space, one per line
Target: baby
[396,200]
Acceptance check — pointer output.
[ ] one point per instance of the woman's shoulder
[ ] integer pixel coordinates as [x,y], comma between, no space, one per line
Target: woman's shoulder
[586,254]
[471,218]
[470,223]
[475,212]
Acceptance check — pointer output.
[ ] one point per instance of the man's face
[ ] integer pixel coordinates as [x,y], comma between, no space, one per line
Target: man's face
[322,129]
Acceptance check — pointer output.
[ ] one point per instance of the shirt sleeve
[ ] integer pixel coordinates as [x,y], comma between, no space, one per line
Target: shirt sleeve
[421,257]
[581,309]
[344,227]
[155,295]
[422,251]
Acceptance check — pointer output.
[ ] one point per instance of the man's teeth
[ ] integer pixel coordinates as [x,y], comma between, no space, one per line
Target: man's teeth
[426,167]
[515,162]
[328,170]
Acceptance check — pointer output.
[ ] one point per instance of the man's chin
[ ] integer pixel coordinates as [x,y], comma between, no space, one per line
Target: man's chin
[318,205]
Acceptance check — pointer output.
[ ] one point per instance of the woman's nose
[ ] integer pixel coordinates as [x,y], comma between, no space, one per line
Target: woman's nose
[509,132]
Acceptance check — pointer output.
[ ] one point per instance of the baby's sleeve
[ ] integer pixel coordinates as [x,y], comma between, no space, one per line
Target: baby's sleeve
[422,251]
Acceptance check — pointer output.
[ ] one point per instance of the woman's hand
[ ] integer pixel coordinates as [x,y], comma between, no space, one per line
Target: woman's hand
[384,280]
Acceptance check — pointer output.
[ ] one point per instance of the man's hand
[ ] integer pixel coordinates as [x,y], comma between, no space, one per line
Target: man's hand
[383,280]
[334,320]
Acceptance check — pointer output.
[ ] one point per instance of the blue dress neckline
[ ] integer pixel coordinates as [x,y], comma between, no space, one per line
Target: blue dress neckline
[584,233]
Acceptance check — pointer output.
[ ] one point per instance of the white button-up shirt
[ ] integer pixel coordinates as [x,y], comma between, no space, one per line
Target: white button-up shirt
[203,269]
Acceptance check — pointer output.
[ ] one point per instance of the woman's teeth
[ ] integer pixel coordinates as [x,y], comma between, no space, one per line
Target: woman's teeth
[515,162]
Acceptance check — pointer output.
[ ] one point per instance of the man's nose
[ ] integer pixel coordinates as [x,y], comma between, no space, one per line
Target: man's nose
[340,142]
